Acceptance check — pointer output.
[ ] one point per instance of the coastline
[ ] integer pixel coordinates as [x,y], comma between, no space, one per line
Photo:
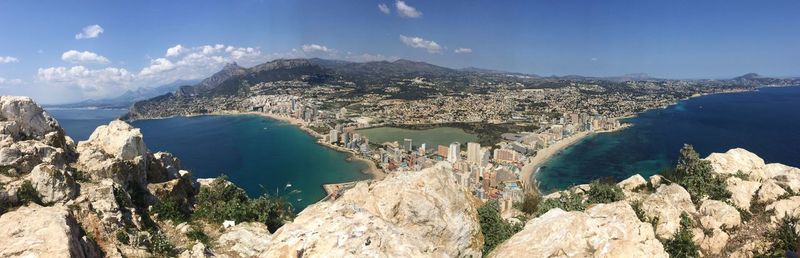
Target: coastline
[543,155]
[372,168]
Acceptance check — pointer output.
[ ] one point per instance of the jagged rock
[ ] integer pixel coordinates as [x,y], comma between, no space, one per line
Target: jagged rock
[667,204]
[632,182]
[53,184]
[24,155]
[716,214]
[245,240]
[656,180]
[604,230]
[420,213]
[742,191]
[22,119]
[786,176]
[783,208]
[738,159]
[163,167]
[770,191]
[114,151]
[102,200]
[181,190]
[35,231]
[712,243]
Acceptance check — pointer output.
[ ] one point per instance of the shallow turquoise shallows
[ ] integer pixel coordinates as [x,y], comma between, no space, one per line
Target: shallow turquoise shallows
[765,122]
[258,154]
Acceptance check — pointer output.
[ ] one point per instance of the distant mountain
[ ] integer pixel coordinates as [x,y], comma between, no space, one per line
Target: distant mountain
[129,97]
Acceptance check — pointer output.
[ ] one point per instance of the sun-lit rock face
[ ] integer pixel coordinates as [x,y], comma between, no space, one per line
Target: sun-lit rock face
[413,214]
[35,231]
[667,204]
[115,151]
[604,230]
[23,119]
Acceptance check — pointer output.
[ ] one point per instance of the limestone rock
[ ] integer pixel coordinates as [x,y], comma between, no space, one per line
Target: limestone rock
[53,184]
[782,208]
[716,214]
[632,182]
[181,190]
[742,191]
[770,191]
[162,167]
[24,155]
[604,230]
[35,231]
[198,250]
[712,243]
[656,180]
[667,204]
[23,119]
[421,213]
[114,151]
[118,139]
[245,240]
[738,159]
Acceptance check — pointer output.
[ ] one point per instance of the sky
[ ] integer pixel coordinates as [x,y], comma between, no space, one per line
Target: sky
[64,51]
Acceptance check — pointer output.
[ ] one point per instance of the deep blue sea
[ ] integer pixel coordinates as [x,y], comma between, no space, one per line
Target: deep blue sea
[765,122]
[258,154]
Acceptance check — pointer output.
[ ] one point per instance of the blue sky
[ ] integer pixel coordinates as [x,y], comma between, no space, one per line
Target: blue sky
[671,39]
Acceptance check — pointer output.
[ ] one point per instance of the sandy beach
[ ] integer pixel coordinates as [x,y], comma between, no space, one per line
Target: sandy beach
[544,154]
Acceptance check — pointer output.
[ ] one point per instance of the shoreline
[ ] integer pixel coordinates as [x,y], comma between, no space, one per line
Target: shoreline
[543,155]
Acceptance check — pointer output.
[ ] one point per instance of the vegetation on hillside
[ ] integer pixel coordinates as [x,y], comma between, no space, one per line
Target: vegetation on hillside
[222,201]
[495,229]
[695,175]
[604,192]
[681,244]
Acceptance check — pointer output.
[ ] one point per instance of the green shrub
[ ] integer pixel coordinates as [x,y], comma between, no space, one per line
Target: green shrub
[27,193]
[568,202]
[6,170]
[495,229]
[681,244]
[222,201]
[123,237]
[196,234]
[79,176]
[530,203]
[696,176]
[168,210]
[783,238]
[159,244]
[604,193]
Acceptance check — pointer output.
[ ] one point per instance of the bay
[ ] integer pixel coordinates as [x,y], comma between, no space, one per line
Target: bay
[765,122]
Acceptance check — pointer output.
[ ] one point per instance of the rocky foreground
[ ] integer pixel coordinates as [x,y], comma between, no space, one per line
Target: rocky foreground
[107,196]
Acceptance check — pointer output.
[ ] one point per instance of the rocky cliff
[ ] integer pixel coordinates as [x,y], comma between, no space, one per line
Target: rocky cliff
[110,196]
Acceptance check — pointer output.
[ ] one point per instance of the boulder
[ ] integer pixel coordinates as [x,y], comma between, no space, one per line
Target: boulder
[742,191]
[770,191]
[632,182]
[667,204]
[53,184]
[35,231]
[24,155]
[22,119]
[199,250]
[656,180]
[421,213]
[716,214]
[783,208]
[604,230]
[162,167]
[181,190]
[114,151]
[735,160]
[712,243]
[245,240]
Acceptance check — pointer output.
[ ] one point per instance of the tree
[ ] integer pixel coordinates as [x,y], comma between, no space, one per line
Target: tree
[681,244]
[495,229]
[696,176]
[604,192]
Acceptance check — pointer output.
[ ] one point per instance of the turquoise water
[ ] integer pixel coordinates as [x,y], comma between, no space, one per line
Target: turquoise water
[258,154]
[765,122]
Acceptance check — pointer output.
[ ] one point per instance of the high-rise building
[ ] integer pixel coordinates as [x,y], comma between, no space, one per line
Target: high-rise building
[442,151]
[422,149]
[473,152]
[506,155]
[334,136]
[454,152]
[407,144]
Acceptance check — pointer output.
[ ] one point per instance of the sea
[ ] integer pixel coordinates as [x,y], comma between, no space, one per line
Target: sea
[258,154]
[765,122]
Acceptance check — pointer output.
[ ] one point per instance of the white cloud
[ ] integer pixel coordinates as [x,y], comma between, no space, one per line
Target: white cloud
[384,9]
[8,59]
[316,48]
[405,10]
[417,42]
[4,81]
[175,51]
[74,56]
[462,50]
[92,82]
[157,65]
[89,32]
